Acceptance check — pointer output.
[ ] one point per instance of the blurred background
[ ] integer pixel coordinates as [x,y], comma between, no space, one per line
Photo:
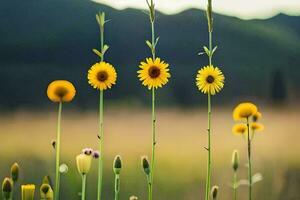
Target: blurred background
[258,51]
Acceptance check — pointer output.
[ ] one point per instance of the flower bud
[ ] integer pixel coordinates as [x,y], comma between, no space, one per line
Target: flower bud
[46,192]
[117,164]
[214,192]
[7,187]
[47,180]
[83,162]
[96,154]
[87,151]
[28,192]
[14,170]
[235,160]
[146,165]
[133,198]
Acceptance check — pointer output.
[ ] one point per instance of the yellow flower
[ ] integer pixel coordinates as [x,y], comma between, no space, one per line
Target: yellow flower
[257,126]
[61,91]
[239,128]
[257,116]
[244,110]
[210,80]
[28,192]
[102,76]
[154,74]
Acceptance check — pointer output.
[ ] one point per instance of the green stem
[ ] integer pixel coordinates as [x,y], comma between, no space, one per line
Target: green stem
[117,186]
[153,144]
[102,41]
[153,40]
[57,146]
[149,187]
[210,48]
[235,185]
[249,160]
[83,187]
[208,175]
[100,164]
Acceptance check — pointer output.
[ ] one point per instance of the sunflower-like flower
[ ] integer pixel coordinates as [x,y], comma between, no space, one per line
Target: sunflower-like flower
[244,111]
[61,91]
[257,126]
[256,116]
[154,74]
[102,76]
[239,129]
[210,80]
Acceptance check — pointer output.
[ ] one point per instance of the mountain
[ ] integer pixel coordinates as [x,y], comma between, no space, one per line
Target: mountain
[42,40]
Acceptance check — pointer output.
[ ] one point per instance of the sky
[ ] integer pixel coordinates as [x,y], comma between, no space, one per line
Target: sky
[245,9]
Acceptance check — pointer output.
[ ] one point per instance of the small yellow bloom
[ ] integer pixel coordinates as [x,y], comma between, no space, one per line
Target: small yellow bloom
[210,80]
[244,111]
[257,126]
[256,116]
[102,76]
[239,128]
[28,192]
[83,162]
[61,91]
[154,74]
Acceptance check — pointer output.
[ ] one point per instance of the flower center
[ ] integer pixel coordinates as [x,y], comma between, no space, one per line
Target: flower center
[61,92]
[154,72]
[210,79]
[102,76]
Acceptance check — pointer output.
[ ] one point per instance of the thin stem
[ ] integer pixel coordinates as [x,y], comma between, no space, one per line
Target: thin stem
[117,186]
[208,175]
[83,187]
[210,48]
[235,185]
[249,160]
[153,143]
[57,146]
[102,41]
[100,164]
[153,40]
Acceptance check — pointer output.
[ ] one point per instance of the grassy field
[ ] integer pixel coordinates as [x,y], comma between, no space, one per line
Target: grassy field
[181,159]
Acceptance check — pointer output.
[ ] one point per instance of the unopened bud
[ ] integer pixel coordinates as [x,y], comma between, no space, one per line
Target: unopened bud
[87,151]
[83,162]
[14,170]
[133,198]
[235,160]
[214,192]
[7,187]
[146,165]
[47,180]
[117,164]
[46,192]
[28,192]
[96,154]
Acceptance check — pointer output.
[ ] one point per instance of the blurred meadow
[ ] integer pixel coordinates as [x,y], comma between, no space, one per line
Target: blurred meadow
[42,40]
[181,159]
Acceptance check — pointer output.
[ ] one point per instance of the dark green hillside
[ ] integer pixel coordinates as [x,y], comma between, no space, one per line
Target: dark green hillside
[42,40]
